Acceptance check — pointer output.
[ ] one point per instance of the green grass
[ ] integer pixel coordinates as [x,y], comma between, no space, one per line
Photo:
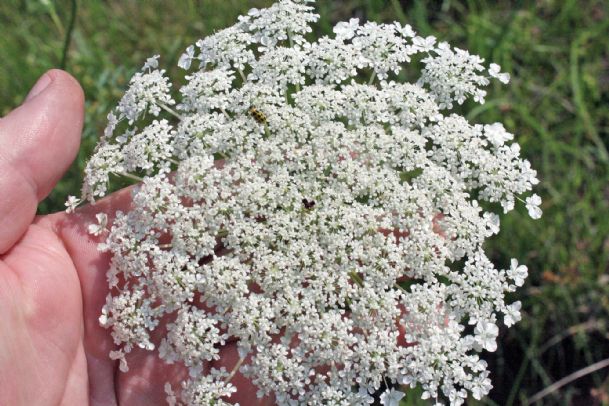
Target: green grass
[558,105]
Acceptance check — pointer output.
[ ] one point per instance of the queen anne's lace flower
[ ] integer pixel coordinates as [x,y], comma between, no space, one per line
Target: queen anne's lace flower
[100,227]
[301,201]
[148,93]
[283,21]
[533,203]
[391,398]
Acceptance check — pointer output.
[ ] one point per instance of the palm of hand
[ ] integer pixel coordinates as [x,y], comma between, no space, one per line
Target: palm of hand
[52,278]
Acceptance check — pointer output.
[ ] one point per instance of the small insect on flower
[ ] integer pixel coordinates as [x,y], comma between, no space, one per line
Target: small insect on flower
[259,116]
[308,204]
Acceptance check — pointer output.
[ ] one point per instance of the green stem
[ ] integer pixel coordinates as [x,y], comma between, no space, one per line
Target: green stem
[170,111]
[242,75]
[68,36]
[130,176]
[225,113]
[356,278]
[371,81]
[401,288]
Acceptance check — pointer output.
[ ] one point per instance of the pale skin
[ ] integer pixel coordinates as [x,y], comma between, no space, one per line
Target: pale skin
[52,278]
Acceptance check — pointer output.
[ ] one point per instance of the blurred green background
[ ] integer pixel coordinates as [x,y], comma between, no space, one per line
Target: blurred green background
[558,105]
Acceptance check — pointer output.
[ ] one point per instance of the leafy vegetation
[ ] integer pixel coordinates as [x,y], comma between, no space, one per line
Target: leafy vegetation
[558,105]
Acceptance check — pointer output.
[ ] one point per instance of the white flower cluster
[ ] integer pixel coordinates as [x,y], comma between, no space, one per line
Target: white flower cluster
[298,199]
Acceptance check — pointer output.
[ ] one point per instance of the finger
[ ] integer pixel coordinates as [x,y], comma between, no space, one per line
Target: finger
[91,266]
[90,263]
[38,141]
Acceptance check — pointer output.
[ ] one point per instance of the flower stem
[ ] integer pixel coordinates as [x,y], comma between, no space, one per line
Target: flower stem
[234,370]
[371,81]
[225,113]
[171,111]
[242,75]
[130,176]
[356,278]
[397,285]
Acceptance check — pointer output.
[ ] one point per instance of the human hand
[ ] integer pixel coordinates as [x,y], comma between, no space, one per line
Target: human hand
[52,278]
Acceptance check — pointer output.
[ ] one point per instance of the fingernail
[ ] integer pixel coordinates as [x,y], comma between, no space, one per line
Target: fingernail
[44,81]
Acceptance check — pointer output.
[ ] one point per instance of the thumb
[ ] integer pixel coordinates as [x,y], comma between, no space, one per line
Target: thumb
[38,142]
